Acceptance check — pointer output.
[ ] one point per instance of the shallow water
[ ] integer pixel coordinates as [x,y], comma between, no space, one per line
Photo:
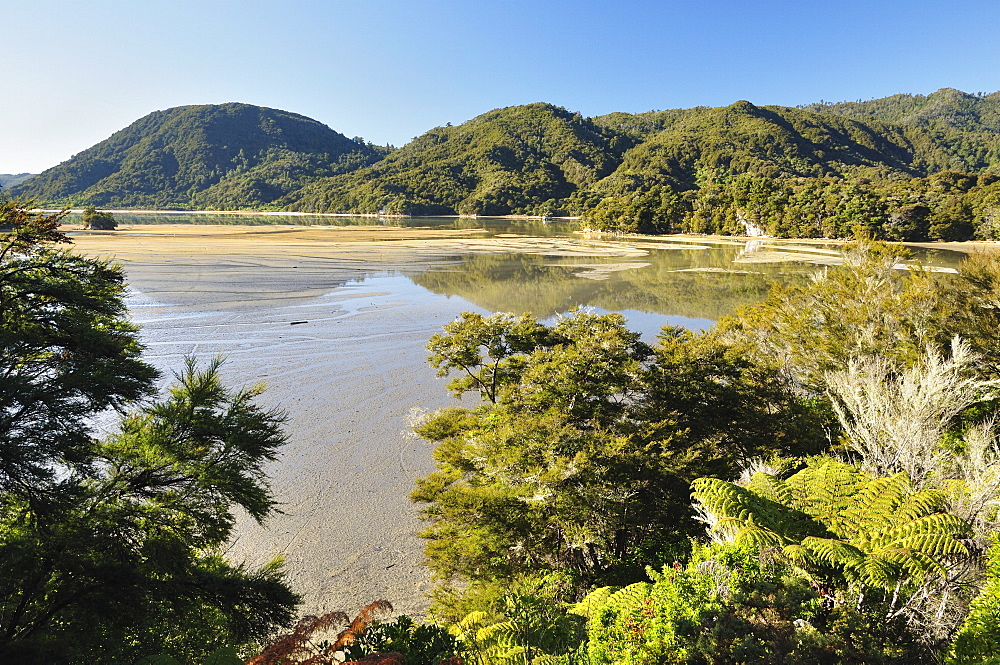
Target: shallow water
[689,282]
[339,343]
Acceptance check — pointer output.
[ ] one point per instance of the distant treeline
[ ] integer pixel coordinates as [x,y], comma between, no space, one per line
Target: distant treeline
[906,167]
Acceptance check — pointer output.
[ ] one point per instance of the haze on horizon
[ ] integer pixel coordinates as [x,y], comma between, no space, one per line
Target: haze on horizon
[389,70]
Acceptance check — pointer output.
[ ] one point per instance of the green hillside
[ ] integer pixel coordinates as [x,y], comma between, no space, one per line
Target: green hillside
[518,160]
[12,179]
[945,108]
[213,156]
[901,168]
[906,167]
[787,172]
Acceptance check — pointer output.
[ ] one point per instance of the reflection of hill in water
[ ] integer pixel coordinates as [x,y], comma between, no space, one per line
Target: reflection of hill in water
[701,283]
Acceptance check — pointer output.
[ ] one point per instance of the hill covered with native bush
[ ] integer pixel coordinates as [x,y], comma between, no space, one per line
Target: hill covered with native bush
[906,167]
[213,156]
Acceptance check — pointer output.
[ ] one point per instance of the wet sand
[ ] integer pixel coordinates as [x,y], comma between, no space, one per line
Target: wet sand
[323,317]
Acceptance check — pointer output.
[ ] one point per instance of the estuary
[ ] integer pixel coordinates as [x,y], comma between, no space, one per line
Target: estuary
[333,316]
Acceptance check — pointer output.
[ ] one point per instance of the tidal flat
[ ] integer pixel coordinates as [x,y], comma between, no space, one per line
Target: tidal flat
[333,320]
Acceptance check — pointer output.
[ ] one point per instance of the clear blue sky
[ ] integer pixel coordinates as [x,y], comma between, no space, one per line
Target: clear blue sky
[73,72]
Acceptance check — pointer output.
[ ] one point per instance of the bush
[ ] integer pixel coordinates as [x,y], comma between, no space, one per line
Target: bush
[98,221]
[732,605]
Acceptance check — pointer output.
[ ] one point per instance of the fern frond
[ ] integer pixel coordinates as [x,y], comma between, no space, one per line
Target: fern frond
[593,602]
[939,524]
[923,503]
[771,488]
[797,555]
[631,596]
[875,507]
[758,537]
[360,623]
[824,489]
[503,634]
[293,644]
[834,552]
[472,620]
[934,545]
[877,571]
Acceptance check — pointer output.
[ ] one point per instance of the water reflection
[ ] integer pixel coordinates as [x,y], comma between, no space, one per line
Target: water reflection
[701,284]
[697,279]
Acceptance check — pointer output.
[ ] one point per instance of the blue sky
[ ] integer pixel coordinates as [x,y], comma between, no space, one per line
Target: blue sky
[74,72]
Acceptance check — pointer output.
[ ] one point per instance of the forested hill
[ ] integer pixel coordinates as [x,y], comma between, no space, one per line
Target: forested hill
[946,108]
[541,159]
[907,167]
[783,171]
[12,179]
[211,156]
[523,159]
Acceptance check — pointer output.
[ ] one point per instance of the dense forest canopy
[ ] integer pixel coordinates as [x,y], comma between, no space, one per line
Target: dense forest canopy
[906,167]
[211,156]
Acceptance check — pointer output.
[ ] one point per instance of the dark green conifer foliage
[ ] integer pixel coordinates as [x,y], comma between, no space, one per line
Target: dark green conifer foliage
[111,548]
[66,347]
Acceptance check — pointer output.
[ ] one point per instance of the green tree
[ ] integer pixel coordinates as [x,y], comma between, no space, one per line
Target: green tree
[98,221]
[112,547]
[869,306]
[67,351]
[579,460]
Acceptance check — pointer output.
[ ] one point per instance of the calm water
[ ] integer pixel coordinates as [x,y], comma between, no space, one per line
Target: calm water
[654,281]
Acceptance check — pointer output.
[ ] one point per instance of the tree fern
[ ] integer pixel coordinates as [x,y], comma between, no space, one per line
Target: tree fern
[876,532]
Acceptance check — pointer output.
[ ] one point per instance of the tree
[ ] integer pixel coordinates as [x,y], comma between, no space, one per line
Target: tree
[98,221]
[112,547]
[895,417]
[869,306]
[579,460]
[67,351]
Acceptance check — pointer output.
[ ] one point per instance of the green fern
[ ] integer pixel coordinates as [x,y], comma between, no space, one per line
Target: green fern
[830,517]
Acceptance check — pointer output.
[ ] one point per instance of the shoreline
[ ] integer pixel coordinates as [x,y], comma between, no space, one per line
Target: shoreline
[350,377]
[965,246]
[333,233]
[278,213]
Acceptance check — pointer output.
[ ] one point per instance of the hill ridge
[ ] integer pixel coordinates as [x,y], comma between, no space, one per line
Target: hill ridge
[815,170]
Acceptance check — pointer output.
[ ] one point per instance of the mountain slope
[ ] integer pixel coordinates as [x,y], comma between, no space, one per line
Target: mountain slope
[516,160]
[956,130]
[212,156]
[907,167]
[11,179]
[542,159]
[774,142]
[946,107]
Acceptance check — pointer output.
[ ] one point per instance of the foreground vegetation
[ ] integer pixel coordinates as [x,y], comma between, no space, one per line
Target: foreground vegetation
[814,480]
[112,546]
